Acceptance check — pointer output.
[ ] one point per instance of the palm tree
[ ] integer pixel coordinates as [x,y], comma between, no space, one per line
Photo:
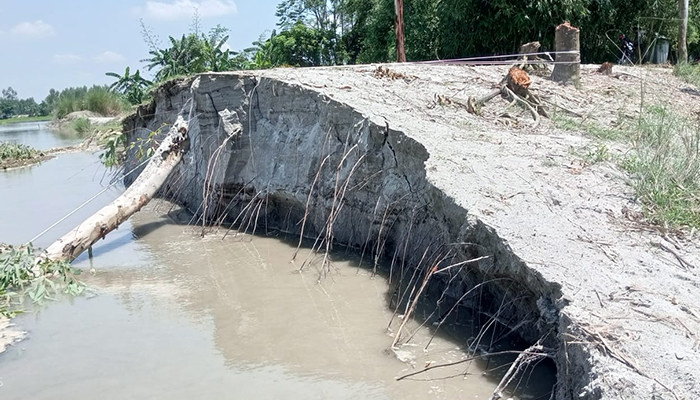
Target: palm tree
[133,87]
[192,54]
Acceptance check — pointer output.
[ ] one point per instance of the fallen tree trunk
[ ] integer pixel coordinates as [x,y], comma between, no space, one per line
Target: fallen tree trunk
[164,160]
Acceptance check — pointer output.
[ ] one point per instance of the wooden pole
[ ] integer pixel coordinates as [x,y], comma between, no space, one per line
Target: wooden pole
[400,47]
[568,64]
[683,33]
[164,160]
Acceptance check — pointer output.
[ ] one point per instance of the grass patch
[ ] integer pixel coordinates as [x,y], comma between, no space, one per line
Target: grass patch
[688,72]
[81,126]
[663,163]
[592,128]
[592,154]
[25,276]
[97,99]
[665,167]
[10,121]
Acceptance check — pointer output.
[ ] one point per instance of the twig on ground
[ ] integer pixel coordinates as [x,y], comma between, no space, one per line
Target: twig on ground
[466,360]
[683,263]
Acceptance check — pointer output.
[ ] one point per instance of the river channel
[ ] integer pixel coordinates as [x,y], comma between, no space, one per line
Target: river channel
[175,315]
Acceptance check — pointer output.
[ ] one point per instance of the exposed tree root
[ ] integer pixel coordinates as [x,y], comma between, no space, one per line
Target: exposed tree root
[514,87]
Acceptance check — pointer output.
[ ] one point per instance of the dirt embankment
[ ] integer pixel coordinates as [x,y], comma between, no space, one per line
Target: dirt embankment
[95,119]
[558,223]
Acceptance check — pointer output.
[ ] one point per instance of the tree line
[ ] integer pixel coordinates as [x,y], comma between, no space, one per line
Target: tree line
[59,103]
[11,105]
[341,32]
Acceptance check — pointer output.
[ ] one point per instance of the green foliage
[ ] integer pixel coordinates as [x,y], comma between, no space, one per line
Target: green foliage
[447,29]
[132,86]
[144,148]
[688,72]
[16,152]
[97,99]
[16,120]
[114,155]
[81,126]
[665,167]
[23,274]
[191,54]
[12,106]
[301,46]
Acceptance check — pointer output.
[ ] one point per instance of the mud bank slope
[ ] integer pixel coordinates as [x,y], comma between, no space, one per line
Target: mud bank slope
[388,166]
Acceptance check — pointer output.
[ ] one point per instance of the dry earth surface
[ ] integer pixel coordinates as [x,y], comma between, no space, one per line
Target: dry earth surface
[577,224]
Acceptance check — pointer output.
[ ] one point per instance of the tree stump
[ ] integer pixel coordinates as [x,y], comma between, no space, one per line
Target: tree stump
[568,66]
[527,49]
[606,68]
[518,81]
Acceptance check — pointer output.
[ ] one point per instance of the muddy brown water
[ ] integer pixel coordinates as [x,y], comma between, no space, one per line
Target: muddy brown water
[178,316]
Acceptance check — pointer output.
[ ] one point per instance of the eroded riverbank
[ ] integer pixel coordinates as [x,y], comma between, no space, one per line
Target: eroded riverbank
[179,315]
[349,156]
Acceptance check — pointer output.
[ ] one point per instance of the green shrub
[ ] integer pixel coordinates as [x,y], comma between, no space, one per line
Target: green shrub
[688,72]
[98,99]
[24,275]
[81,126]
[665,167]
[16,152]
[103,101]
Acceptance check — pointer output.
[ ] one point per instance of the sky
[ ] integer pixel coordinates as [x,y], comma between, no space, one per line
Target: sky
[56,44]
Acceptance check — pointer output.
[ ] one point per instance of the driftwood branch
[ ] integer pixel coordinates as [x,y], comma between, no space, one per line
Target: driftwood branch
[164,160]
[530,355]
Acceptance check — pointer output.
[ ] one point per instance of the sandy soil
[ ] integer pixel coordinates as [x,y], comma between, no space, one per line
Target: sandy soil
[577,224]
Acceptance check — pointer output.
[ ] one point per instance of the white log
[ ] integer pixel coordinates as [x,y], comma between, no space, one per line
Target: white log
[164,160]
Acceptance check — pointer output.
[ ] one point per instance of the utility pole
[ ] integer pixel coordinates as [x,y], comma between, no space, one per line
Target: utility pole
[400,48]
[683,33]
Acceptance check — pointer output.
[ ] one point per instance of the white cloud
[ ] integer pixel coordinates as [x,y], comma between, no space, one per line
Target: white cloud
[108,57]
[184,9]
[66,58]
[34,30]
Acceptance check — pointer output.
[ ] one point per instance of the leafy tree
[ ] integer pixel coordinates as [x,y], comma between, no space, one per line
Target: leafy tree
[461,28]
[11,105]
[193,53]
[50,100]
[9,94]
[300,46]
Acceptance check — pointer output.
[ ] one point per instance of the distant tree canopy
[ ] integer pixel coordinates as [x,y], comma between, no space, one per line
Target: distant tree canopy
[362,31]
[12,106]
[338,32]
